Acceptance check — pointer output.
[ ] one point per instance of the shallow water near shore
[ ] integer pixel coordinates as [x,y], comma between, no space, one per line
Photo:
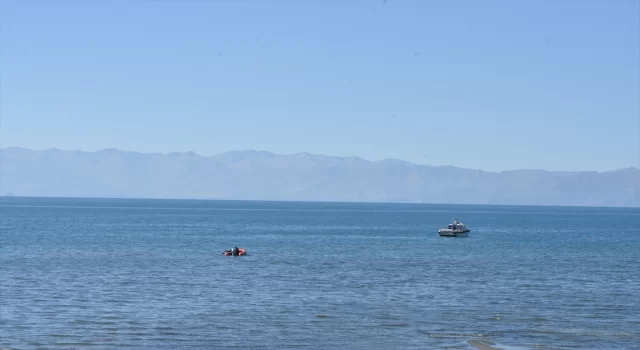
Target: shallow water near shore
[118,273]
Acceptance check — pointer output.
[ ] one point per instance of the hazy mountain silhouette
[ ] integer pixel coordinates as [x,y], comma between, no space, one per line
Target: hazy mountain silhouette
[260,175]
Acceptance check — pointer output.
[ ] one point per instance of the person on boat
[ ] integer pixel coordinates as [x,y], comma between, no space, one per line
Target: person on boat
[235,251]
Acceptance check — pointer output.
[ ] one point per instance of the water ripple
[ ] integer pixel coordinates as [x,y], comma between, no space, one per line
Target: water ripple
[92,274]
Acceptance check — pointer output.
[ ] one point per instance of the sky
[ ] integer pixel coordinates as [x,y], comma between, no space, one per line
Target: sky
[493,85]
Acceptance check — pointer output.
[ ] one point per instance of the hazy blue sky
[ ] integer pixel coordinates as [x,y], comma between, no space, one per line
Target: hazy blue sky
[480,84]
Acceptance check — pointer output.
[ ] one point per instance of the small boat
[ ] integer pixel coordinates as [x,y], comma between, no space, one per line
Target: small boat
[456,229]
[240,252]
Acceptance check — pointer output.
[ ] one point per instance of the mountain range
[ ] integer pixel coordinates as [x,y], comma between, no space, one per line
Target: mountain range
[259,175]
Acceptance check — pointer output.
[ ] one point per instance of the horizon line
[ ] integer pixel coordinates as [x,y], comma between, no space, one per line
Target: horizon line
[315,201]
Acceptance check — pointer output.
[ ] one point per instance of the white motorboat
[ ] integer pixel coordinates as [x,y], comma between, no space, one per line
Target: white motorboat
[456,229]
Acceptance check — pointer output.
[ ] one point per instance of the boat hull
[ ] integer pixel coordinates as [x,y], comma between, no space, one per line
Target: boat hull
[453,233]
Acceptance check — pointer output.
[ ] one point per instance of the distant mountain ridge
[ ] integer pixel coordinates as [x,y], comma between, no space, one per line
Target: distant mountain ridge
[260,175]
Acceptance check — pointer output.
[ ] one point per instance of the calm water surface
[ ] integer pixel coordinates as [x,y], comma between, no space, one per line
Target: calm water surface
[107,273]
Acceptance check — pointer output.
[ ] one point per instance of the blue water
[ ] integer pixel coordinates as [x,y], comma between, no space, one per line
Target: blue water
[107,273]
